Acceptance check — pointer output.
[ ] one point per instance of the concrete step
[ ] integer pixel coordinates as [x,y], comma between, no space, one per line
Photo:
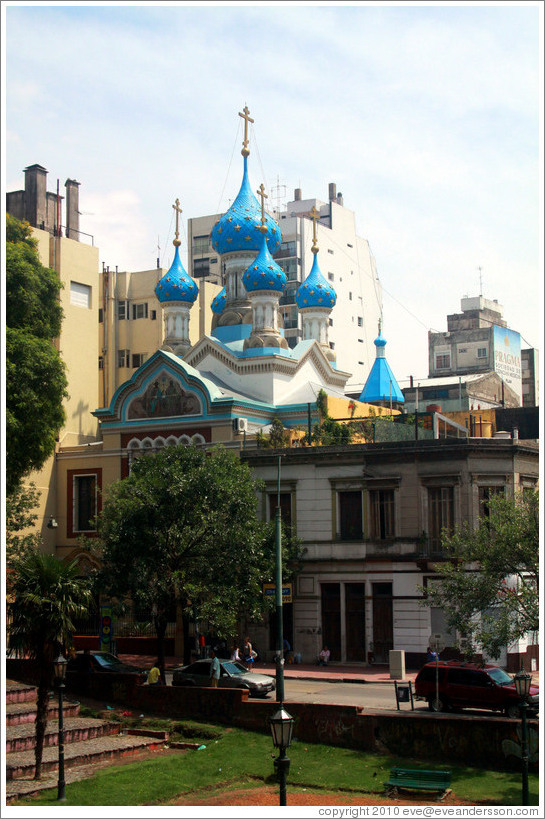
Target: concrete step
[18,713]
[19,692]
[22,737]
[21,764]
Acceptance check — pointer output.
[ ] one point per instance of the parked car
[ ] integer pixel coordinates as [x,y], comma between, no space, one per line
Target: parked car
[232,675]
[469,685]
[102,661]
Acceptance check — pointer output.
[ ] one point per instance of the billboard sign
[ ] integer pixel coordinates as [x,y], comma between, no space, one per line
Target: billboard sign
[269,590]
[507,358]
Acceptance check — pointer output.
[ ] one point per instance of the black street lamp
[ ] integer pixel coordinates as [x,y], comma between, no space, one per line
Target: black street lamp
[282,732]
[59,667]
[523,680]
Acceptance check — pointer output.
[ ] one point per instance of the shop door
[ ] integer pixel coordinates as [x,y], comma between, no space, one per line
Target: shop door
[383,622]
[331,619]
[355,622]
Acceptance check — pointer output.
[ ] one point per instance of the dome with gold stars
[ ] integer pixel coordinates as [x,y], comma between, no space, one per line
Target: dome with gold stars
[176,284]
[315,291]
[238,229]
[264,273]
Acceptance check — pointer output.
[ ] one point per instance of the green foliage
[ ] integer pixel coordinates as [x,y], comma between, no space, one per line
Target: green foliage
[329,432]
[490,588]
[45,597]
[20,516]
[184,527]
[278,437]
[35,374]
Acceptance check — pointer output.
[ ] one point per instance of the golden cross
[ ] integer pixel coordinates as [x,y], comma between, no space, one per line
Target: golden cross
[314,215]
[178,210]
[263,195]
[247,118]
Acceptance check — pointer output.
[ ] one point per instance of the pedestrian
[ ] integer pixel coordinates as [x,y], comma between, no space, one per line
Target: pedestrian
[214,670]
[235,653]
[154,675]
[248,653]
[431,656]
[323,656]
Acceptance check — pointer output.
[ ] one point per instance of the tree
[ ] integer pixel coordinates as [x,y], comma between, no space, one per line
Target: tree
[489,589]
[45,596]
[20,516]
[183,528]
[35,374]
[329,432]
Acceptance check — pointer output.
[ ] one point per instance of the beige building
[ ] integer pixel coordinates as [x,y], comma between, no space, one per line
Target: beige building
[131,327]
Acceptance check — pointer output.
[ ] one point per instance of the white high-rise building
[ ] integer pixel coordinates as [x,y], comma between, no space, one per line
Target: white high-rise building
[345,260]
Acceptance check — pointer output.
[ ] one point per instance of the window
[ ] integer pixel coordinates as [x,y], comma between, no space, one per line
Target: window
[360,321]
[213,261]
[153,315]
[140,310]
[462,349]
[331,277]
[350,515]
[331,345]
[285,507]
[138,359]
[442,361]
[331,322]
[123,358]
[381,503]
[350,296]
[201,244]
[485,493]
[201,267]
[330,251]
[100,315]
[349,245]
[360,340]
[83,501]
[100,362]
[122,310]
[80,295]
[440,514]
[481,352]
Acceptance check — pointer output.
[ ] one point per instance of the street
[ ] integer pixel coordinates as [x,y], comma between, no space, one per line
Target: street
[369,695]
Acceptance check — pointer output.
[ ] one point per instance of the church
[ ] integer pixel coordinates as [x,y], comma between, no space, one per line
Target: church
[369,515]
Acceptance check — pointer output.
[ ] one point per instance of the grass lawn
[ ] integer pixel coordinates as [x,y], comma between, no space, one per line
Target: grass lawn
[234,757]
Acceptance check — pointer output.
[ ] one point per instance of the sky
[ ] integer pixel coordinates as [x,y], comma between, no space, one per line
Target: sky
[427,117]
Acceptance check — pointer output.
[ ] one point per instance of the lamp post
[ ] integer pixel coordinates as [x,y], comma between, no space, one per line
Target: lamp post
[523,681]
[59,667]
[282,732]
[278,581]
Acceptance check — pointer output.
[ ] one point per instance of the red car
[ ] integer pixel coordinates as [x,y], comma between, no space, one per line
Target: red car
[469,685]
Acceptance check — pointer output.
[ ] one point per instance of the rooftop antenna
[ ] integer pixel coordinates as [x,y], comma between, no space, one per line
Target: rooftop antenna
[158,253]
[480,280]
[279,193]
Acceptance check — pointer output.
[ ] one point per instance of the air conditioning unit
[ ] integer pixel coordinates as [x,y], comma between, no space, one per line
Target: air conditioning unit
[240,425]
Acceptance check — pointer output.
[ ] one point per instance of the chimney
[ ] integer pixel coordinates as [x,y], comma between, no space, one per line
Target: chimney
[72,209]
[332,191]
[35,195]
[340,199]
[297,195]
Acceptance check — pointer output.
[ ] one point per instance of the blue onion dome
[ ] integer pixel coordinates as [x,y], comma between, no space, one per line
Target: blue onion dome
[218,302]
[380,341]
[238,229]
[315,291]
[264,273]
[176,284]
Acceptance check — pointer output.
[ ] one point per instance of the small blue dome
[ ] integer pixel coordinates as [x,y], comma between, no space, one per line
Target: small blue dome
[176,284]
[315,291]
[238,228]
[218,302]
[380,341]
[264,273]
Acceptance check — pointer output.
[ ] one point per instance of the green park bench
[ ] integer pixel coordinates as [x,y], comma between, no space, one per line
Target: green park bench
[416,779]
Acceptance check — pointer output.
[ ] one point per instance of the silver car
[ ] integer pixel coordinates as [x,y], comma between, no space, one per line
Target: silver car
[232,675]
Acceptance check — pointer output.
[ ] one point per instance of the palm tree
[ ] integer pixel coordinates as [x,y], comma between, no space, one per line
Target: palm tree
[45,595]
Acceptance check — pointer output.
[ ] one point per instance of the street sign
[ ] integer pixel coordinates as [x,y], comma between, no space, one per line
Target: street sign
[437,642]
[269,590]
